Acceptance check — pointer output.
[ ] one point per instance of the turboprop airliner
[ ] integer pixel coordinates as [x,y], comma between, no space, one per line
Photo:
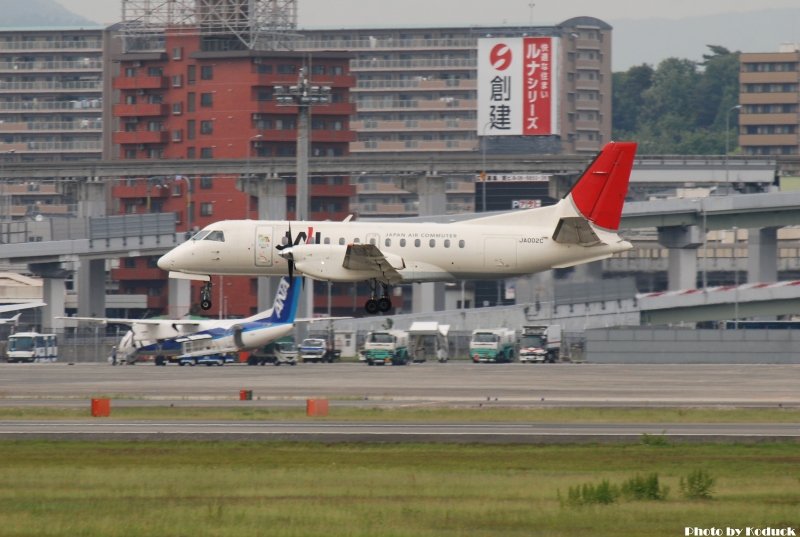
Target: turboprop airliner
[580,228]
[187,339]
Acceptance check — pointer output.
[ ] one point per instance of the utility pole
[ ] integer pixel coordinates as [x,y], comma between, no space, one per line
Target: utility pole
[303,95]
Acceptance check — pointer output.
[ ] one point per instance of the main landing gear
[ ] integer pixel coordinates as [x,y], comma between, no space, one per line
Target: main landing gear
[382,304]
[205,296]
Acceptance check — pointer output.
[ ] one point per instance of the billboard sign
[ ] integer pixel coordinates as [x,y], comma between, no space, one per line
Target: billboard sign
[517,86]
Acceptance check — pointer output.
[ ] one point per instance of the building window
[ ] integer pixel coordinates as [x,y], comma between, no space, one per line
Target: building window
[191,74]
[207,209]
[206,72]
[206,127]
[190,129]
[177,53]
[207,99]
[206,182]
[207,152]
[177,109]
[190,152]
[287,69]
[191,99]
[177,135]
[130,72]
[177,81]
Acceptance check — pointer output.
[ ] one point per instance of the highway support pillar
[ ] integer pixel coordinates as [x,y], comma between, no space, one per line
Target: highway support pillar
[180,297]
[92,288]
[762,255]
[432,196]
[682,242]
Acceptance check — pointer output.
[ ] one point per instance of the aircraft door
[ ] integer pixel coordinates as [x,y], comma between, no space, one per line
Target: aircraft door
[237,336]
[264,246]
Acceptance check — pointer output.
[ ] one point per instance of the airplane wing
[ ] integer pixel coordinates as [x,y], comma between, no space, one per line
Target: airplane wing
[319,319]
[129,322]
[22,306]
[367,257]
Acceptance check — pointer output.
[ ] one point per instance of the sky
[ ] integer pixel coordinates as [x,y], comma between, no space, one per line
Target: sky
[388,13]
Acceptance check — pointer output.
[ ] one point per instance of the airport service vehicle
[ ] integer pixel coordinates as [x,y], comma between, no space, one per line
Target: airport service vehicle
[540,344]
[317,350]
[492,345]
[276,353]
[32,347]
[384,347]
[427,340]
[580,228]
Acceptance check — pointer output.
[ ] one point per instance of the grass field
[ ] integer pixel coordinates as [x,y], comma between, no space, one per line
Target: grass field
[286,489]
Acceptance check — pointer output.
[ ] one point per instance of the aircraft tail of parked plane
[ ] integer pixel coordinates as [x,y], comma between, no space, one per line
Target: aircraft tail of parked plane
[580,228]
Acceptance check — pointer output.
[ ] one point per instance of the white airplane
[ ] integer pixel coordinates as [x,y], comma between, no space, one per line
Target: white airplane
[580,228]
[180,339]
[16,307]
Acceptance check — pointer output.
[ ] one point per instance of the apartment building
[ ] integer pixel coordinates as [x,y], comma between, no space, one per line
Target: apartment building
[188,97]
[416,92]
[769,95]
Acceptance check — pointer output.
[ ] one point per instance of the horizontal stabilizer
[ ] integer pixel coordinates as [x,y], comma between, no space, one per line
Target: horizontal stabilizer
[575,230]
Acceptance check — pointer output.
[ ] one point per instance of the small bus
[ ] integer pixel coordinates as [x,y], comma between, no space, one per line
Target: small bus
[32,347]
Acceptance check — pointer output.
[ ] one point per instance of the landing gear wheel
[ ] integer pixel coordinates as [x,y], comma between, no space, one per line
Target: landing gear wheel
[384,304]
[205,296]
[371,306]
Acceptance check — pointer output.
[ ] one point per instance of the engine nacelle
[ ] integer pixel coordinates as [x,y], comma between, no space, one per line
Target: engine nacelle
[325,262]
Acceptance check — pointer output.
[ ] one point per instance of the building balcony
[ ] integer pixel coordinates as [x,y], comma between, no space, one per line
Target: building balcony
[419,84]
[140,82]
[141,137]
[139,189]
[769,98]
[140,110]
[769,119]
[442,104]
[769,139]
[413,125]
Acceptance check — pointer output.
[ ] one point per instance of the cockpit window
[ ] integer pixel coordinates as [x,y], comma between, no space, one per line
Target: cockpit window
[218,236]
[200,235]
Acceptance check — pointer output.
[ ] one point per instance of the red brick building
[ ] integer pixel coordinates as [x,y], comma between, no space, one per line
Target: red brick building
[189,101]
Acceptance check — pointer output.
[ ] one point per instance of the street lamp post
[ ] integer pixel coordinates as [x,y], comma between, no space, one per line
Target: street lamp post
[727,141]
[304,95]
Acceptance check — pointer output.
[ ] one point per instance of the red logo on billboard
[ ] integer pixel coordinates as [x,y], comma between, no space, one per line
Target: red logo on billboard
[500,56]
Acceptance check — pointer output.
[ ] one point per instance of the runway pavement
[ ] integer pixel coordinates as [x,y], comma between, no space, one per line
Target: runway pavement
[454,384]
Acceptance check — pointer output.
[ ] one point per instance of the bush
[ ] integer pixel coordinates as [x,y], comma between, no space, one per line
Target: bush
[644,488]
[586,494]
[697,485]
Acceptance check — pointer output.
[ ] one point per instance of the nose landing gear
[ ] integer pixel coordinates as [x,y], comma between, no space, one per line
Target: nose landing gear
[205,296]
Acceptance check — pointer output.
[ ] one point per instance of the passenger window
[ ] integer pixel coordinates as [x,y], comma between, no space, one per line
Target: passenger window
[417,242]
[218,236]
[387,242]
[327,240]
[460,244]
[447,243]
[372,241]
[432,243]
[356,241]
[341,241]
[402,243]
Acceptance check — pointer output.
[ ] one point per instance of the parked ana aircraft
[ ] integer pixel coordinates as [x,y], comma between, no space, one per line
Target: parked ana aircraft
[171,339]
[580,228]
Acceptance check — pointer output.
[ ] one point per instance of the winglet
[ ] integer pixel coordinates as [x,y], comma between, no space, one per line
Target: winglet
[287,298]
[600,192]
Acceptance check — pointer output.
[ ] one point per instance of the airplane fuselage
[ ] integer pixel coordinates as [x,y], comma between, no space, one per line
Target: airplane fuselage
[418,251]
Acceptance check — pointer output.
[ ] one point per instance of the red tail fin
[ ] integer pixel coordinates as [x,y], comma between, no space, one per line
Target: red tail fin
[600,192]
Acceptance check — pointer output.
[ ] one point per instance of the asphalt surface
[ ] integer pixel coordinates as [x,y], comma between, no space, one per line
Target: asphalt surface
[459,384]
